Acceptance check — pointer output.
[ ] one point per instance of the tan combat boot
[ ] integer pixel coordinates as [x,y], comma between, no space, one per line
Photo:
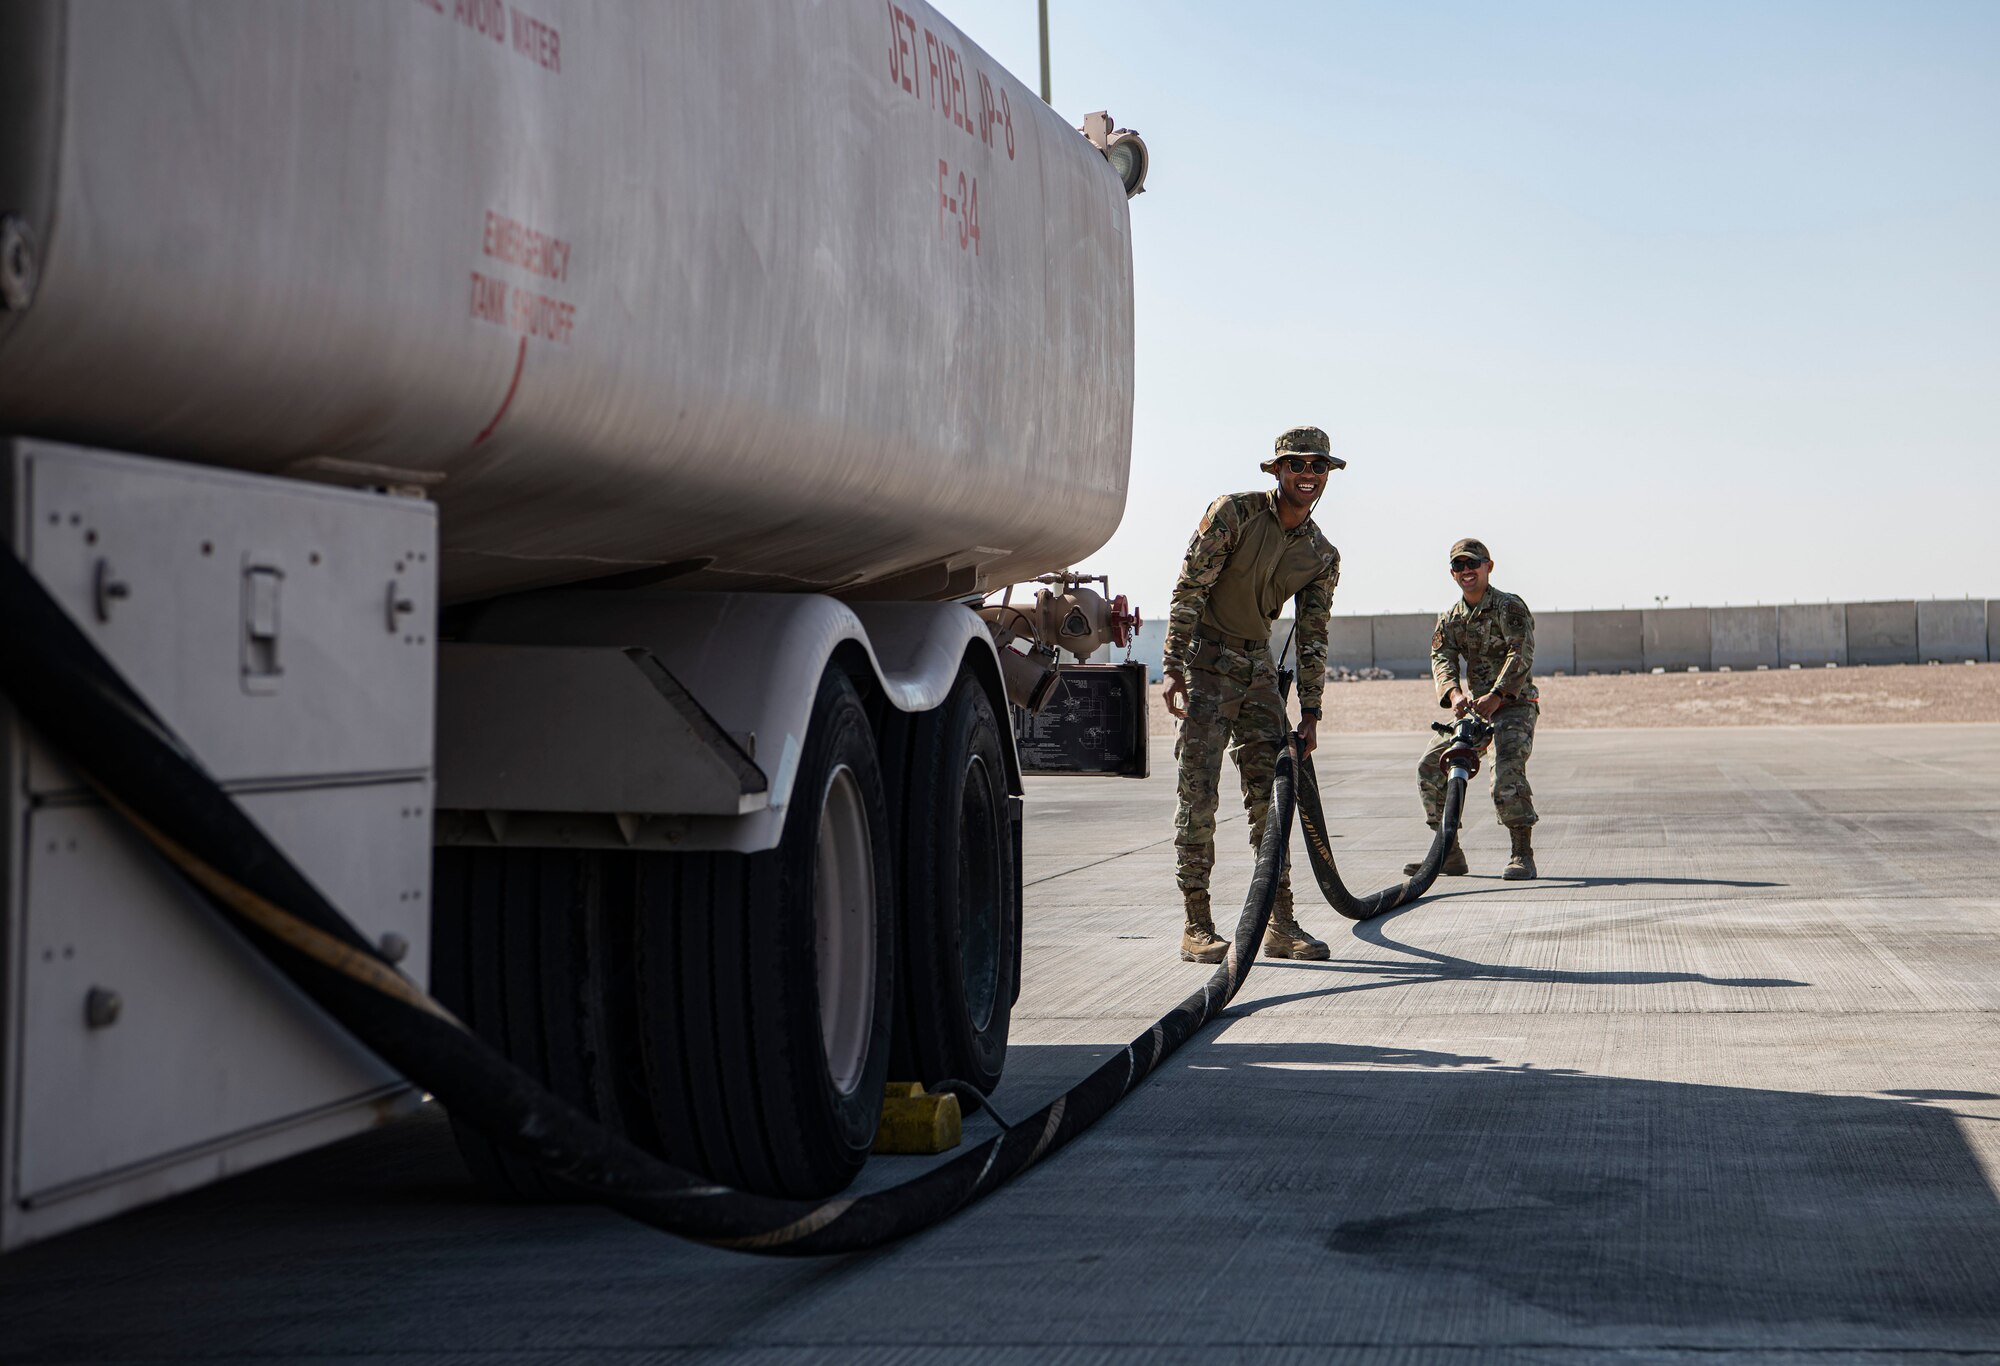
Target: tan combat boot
[1521,866]
[1454,862]
[1285,937]
[1199,941]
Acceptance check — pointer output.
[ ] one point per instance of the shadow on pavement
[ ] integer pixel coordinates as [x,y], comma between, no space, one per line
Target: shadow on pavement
[1434,965]
[1249,1196]
[1601,1200]
[1475,884]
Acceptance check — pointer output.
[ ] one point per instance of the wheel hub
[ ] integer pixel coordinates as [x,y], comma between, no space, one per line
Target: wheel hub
[844,929]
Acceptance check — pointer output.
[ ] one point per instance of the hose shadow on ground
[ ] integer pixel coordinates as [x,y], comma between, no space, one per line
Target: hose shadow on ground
[1477,884]
[1434,965]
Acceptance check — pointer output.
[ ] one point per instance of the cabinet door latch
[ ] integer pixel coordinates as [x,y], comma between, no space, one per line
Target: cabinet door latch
[262,666]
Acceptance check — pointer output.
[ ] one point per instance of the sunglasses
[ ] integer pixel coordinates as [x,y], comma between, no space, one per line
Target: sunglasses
[1298,466]
[1459,566]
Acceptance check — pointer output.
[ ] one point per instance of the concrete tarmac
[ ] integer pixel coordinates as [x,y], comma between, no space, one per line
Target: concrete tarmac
[1720,1087]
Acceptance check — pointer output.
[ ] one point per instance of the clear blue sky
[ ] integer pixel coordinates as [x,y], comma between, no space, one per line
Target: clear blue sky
[1694,299]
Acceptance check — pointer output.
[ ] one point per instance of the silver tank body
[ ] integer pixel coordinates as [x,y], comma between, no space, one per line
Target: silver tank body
[675,284]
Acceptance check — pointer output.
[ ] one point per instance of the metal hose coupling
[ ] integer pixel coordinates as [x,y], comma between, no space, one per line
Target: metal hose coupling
[1469,735]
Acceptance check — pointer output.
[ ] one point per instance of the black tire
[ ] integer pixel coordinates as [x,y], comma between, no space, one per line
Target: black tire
[741,1081]
[526,950]
[676,997]
[958,896]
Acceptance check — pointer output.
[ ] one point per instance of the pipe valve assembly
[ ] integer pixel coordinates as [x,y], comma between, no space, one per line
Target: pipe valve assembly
[1064,614]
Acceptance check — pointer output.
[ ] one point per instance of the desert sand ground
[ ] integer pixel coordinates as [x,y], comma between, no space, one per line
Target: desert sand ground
[1862,695]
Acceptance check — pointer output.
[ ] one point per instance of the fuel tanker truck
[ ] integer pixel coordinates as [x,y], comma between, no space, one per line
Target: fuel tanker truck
[545,460]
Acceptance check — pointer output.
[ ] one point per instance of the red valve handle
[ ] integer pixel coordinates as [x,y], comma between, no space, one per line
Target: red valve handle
[1124,621]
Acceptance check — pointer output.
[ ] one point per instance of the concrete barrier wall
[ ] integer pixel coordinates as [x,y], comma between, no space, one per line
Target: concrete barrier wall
[1993,631]
[1403,643]
[1675,638]
[1948,630]
[1350,642]
[1881,632]
[1952,632]
[1555,642]
[1743,637]
[1812,633]
[1609,642]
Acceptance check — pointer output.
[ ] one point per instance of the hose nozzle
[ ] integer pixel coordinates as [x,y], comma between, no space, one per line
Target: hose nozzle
[1470,734]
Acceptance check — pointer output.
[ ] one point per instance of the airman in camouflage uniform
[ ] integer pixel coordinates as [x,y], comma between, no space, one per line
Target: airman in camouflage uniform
[1253,553]
[1492,634]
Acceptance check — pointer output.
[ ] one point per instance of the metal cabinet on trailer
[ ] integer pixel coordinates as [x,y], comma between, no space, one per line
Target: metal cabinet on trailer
[284,631]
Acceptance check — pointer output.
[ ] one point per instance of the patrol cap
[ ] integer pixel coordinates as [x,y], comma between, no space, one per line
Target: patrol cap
[1309,441]
[1472,548]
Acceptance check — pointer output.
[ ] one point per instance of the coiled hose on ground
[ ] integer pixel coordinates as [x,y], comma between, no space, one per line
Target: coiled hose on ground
[1461,761]
[62,686]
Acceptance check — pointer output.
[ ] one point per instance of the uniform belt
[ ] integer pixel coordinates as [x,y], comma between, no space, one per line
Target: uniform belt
[1243,643]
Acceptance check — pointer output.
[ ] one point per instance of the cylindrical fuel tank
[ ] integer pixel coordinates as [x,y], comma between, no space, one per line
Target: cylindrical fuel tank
[777,294]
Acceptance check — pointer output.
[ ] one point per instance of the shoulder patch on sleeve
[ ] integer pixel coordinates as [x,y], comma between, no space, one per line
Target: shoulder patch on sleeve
[1226,511]
[1328,551]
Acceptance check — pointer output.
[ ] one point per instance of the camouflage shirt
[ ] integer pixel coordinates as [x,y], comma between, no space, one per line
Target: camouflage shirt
[1300,563]
[1496,640]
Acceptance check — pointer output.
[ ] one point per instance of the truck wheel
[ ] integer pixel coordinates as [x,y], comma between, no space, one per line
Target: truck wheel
[763,982]
[958,896]
[523,950]
[730,1012]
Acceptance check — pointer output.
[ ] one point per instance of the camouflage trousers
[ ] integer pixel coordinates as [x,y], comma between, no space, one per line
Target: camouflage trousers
[1233,705]
[1513,742]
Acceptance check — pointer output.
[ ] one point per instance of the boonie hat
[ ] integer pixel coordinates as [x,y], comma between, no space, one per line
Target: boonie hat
[1474,548]
[1303,441]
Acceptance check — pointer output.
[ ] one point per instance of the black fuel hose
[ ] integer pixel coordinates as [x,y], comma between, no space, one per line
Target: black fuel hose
[1319,850]
[1461,761]
[75,700]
